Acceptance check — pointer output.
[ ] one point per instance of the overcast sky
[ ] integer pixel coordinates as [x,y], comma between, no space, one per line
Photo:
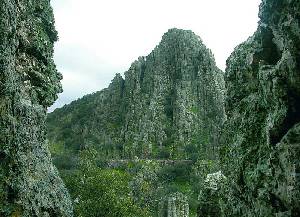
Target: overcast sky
[99,38]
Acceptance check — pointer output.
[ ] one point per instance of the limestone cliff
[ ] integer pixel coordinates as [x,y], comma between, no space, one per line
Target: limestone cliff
[169,104]
[29,83]
[263,109]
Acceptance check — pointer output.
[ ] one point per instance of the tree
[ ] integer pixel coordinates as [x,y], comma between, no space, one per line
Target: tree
[100,193]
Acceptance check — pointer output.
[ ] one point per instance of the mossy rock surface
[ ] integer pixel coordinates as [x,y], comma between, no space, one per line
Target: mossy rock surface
[261,136]
[29,83]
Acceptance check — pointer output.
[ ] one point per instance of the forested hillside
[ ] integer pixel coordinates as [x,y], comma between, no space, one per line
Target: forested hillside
[155,127]
[169,105]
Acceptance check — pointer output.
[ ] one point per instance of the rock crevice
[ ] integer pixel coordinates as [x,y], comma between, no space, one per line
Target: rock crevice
[262,105]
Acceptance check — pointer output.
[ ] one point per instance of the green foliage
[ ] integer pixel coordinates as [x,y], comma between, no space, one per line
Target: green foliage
[137,188]
[144,184]
[194,110]
[163,153]
[192,151]
[65,161]
[177,172]
[100,193]
[56,148]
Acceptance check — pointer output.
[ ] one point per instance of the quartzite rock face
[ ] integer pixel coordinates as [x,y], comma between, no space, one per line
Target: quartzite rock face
[263,109]
[170,100]
[29,83]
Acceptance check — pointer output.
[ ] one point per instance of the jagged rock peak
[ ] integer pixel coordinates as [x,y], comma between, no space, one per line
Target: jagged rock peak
[117,80]
[169,100]
[180,35]
[181,42]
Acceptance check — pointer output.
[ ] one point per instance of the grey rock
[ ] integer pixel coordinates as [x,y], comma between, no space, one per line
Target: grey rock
[29,83]
[170,99]
[261,154]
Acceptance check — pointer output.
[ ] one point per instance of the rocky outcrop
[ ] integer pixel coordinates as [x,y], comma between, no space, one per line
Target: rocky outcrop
[262,105]
[29,83]
[209,195]
[169,104]
[174,205]
[174,97]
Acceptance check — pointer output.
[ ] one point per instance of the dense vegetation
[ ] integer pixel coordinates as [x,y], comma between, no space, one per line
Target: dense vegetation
[150,132]
[165,135]
[135,187]
[157,143]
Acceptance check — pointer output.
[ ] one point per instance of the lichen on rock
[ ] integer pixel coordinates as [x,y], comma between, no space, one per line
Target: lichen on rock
[29,83]
[174,205]
[262,105]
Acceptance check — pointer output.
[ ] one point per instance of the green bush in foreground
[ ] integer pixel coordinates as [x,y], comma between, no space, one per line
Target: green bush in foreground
[100,193]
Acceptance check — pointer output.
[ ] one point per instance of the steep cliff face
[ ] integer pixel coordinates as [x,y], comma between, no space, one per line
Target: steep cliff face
[173,96]
[262,132]
[169,102]
[29,83]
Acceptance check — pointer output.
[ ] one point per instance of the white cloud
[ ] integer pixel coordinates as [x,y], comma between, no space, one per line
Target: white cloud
[99,38]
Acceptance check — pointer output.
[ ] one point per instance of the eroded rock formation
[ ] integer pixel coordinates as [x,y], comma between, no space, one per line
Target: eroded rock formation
[174,205]
[29,83]
[263,108]
[169,101]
